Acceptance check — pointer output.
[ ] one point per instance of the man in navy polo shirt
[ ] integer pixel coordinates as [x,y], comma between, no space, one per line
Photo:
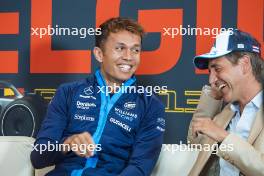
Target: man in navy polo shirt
[108,131]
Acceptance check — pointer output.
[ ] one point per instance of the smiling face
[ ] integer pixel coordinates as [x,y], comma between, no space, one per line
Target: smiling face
[227,78]
[119,56]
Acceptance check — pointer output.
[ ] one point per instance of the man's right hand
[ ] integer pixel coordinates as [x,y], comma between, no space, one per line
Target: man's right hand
[213,91]
[82,144]
[216,93]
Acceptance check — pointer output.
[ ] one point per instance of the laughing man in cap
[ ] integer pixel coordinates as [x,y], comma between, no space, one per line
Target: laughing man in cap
[235,129]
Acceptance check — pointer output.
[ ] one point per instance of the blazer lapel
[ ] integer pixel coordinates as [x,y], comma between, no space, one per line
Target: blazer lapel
[256,126]
[224,117]
[222,120]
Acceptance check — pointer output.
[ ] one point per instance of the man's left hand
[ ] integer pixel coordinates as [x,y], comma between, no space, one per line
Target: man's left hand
[208,127]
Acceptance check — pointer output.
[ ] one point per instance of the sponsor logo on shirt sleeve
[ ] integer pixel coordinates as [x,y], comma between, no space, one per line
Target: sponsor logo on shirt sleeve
[161,124]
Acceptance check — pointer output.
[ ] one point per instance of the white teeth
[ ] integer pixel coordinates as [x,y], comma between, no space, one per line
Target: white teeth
[221,86]
[125,68]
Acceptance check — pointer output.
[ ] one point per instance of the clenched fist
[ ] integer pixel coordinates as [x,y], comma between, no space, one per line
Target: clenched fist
[82,144]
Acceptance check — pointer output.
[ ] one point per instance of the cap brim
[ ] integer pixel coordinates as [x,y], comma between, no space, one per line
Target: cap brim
[201,61]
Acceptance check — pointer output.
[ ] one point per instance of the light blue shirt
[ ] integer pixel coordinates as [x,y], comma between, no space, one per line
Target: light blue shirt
[241,126]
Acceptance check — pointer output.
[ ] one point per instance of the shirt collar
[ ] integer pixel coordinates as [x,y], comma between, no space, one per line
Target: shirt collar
[256,101]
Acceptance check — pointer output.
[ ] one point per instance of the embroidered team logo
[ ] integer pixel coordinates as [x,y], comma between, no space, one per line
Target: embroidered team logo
[88,90]
[129,105]
[87,93]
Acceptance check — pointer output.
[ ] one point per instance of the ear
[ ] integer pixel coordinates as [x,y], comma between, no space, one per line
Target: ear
[245,64]
[98,53]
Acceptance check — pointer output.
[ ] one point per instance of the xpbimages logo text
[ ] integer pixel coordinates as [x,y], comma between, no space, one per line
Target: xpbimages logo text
[148,90]
[83,148]
[214,148]
[193,31]
[65,31]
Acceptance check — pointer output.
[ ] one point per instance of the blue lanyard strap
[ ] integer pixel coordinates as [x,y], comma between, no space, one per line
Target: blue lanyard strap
[106,105]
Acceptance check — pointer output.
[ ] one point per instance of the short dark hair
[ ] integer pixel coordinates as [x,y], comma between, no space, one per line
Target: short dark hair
[115,25]
[257,63]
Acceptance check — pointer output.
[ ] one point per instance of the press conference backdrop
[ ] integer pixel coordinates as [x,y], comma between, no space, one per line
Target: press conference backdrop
[35,63]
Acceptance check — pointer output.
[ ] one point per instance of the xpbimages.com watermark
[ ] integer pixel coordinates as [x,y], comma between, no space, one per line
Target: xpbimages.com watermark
[194,31]
[215,148]
[65,31]
[83,148]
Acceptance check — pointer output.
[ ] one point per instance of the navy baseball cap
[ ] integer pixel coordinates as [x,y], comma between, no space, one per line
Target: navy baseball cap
[225,43]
